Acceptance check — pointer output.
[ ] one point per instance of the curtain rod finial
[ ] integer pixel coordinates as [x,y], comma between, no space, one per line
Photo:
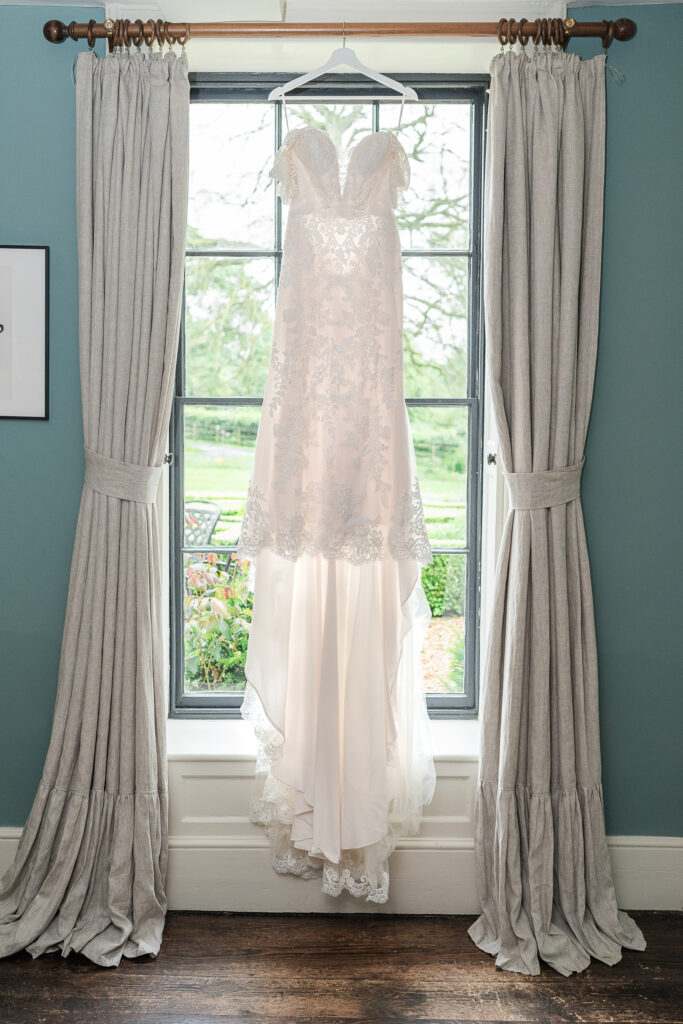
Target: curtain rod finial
[624,29]
[55,31]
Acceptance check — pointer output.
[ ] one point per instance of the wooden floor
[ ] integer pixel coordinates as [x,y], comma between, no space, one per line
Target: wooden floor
[337,970]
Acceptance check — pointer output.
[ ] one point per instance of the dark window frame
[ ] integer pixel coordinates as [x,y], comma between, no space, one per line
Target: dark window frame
[254,87]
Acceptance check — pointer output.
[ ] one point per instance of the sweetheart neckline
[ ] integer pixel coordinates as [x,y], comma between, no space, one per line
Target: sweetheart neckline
[321,131]
[341,186]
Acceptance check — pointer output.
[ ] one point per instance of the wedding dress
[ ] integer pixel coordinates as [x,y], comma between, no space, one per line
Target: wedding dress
[334,529]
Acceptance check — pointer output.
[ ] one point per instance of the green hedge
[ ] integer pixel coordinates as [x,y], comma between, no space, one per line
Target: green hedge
[443,582]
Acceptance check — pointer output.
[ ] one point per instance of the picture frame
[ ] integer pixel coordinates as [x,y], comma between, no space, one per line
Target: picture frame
[24,332]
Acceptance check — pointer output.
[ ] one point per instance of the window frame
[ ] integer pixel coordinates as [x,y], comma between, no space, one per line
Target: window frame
[227,87]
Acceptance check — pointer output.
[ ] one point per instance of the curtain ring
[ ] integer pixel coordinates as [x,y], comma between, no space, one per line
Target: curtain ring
[545,32]
[537,33]
[607,34]
[160,33]
[126,38]
[91,36]
[552,25]
[502,36]
[185,38]
[140,37]
[512,31]
[520,32]
[170,39]
[561,35]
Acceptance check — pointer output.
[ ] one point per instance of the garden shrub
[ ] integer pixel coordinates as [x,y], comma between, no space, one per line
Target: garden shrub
[218,609]
[443,582]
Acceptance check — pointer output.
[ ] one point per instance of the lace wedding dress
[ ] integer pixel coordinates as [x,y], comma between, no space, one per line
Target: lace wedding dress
[334,529]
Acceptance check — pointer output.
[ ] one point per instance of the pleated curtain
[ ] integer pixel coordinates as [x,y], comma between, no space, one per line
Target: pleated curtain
[89,872]
[543,865]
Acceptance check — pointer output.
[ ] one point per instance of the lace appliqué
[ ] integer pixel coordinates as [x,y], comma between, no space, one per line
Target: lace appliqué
[337,530]
[408,536]
[363,873]
[284,173]
[399,174]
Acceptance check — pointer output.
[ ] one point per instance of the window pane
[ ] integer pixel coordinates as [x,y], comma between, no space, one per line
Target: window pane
[435,309]
[229,309]
[231,196]
[218,606]
[440,440]
[436,138]
[219,451]
[443,652]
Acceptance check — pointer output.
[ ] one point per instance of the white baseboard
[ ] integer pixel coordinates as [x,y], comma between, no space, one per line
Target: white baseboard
[428,876]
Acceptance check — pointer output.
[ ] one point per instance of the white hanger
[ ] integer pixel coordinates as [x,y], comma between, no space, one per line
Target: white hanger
[344,57]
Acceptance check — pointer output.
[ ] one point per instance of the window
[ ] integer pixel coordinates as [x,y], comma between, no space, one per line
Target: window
[236,227]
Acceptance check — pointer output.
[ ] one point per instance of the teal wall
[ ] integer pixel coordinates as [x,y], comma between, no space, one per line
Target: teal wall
[41,463]
[633,486]
[632,483]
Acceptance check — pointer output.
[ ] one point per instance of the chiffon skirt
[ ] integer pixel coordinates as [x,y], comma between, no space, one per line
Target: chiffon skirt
[335,695]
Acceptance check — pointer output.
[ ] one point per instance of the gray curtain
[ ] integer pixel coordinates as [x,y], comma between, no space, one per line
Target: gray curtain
[543,865]
[89,871]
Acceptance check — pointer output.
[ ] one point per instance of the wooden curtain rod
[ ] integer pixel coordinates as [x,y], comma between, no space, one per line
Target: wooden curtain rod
[546,30]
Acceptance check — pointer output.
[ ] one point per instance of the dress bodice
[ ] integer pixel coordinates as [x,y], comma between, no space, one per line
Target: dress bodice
[307,167]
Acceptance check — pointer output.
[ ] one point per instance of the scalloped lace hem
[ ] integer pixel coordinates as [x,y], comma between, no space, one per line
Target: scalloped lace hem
[364,873]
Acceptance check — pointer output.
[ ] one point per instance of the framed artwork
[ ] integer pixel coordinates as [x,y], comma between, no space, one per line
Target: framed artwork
[24,331]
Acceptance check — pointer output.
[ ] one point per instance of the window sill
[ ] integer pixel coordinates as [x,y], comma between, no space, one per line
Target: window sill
[224,739]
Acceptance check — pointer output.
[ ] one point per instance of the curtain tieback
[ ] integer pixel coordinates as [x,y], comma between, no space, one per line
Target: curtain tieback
[126,480]
[543,490]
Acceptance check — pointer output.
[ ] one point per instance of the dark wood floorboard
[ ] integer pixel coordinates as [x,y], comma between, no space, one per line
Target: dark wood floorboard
[260,969]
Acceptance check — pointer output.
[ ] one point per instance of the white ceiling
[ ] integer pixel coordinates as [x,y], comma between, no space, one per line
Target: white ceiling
[332,10]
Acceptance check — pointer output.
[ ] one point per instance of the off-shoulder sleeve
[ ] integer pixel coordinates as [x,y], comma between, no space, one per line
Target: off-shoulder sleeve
[399,174]
[284,172]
